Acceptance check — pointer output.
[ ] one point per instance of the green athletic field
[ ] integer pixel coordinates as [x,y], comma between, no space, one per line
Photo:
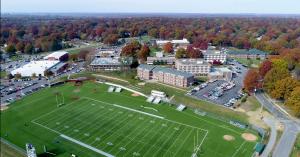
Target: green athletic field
[94,122]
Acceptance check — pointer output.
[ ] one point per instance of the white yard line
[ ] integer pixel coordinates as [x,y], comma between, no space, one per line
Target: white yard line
[234,154]
[183,142]
[54,110]
[130,109]
[198,148]
[176,140]
[86,146]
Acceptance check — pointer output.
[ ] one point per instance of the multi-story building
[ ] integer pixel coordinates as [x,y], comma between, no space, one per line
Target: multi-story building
[211,54]
[110,64]
[160,60]
[245,54]
[197,67]
[165,75]
[220,74]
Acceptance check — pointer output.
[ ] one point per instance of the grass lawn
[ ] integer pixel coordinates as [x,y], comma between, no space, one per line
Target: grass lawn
[7,151]
[296,149]
[249,62]
[3,74]
[93,120]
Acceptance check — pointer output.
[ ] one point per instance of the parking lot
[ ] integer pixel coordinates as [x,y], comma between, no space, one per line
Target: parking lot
[220,91]
[12,89]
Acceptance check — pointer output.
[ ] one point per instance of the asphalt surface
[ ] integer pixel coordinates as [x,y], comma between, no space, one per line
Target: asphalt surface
[229,94]
[38,83]
[291,127]
[272,138]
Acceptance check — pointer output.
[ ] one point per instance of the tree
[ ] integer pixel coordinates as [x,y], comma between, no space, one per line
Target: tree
[251,80]
[33,75]
[168,47]
[272,76]
[18,76]
[131,49]
[83,54]
[28,48]
[180,53]
[284,87]
[10,48]
[193,53]
[264,67]
[279,63]
[73,57]
[293,101]
[143,53]
[20,46]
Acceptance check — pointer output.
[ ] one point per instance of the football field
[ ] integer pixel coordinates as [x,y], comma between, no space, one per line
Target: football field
[93,122]
[122,131]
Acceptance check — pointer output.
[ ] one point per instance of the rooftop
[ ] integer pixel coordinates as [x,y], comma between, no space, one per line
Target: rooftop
[56,54]
[37,67]
[106,61]
[192,61]
[166,70]
[246,52]
[183,41]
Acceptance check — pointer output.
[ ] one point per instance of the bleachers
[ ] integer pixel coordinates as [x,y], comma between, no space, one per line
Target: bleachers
[157,100]
[111,89]
[180,107]
[118,89]
[150,99]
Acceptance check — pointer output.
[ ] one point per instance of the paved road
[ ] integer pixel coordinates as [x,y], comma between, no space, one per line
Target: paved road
[291,127]
[272,140]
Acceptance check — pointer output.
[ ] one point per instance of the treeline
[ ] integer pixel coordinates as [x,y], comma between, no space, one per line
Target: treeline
[279,77]
[38,33]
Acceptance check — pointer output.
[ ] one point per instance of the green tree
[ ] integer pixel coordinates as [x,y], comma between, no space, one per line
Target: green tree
[28,48]
[10,48]
[180,53]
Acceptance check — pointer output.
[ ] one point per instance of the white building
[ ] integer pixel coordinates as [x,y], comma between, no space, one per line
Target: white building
[197,67]
[37,67]
[176,43]
[58,55]
[211,54]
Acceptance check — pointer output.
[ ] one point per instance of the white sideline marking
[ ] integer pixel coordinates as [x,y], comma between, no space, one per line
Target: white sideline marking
[130,109]
[86,146]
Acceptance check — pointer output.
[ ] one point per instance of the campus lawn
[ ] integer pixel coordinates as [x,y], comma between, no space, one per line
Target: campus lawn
[296,149]
[94,120]
[249,62]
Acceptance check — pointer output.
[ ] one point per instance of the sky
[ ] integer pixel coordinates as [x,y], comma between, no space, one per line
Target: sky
[152,6]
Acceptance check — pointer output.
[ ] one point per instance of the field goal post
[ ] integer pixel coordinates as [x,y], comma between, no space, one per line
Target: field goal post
[59,101]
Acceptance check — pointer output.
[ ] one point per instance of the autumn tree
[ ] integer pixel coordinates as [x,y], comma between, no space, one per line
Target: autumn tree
[293,101]
[168,47]
[83,54]
[273,76]
[193,53]
[18,76]
[251,80]
[264,67]
[143,53]
[131,49]
[284,87]
[20,46]
[180,53]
